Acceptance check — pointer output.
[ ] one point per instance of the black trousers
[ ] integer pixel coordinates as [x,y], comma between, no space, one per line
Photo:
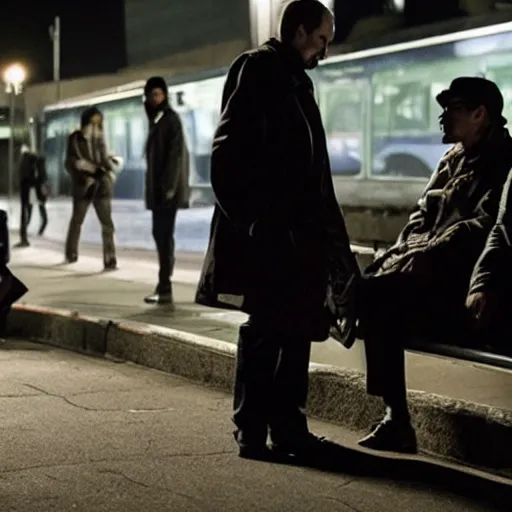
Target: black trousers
[42,198]
[164,222]
[271,383]
[103,207]
[395,308]
[26,209]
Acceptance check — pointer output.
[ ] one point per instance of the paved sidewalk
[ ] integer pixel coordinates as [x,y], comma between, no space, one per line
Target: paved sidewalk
[131,220]
[85,434]
[83,287]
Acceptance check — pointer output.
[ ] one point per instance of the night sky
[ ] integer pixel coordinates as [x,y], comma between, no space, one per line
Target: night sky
[92,36]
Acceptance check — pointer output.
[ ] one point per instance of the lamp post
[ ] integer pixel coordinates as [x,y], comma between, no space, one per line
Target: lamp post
[55,37]
[14,76]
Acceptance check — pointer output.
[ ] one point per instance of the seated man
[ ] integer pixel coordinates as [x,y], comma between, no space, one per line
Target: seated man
[419,286]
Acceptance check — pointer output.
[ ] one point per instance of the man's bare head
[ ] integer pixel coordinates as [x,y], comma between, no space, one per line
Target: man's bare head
[308,25]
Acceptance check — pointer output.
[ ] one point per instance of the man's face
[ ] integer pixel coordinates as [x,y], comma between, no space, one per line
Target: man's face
[313,47]
[156,97]
[460,122]
[96,120]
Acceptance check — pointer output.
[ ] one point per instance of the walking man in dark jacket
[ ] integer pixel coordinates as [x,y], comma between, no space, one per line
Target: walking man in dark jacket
[167,187]
[278,243]
[27,170]
[32,172]
[418,287]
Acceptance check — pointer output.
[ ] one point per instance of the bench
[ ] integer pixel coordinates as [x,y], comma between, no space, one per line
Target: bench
[466,354]
[366,254]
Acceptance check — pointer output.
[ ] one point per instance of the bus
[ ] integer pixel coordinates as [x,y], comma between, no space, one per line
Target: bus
[378,107]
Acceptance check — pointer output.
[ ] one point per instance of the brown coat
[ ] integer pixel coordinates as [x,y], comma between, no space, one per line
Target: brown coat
[89,166]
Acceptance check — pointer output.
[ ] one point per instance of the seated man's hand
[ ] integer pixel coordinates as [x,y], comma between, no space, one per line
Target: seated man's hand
[481,306]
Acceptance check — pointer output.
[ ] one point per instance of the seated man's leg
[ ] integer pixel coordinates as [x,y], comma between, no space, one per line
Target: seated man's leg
[392,307]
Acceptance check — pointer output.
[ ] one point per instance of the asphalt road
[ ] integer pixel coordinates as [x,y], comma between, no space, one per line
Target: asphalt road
[84,434]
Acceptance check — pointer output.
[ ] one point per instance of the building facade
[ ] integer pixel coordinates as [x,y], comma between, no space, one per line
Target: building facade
[156,29]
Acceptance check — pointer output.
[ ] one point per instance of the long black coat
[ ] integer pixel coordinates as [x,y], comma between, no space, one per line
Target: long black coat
[167,160]
[278,242]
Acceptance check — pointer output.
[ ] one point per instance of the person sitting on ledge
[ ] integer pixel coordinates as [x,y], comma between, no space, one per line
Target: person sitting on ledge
[418,287]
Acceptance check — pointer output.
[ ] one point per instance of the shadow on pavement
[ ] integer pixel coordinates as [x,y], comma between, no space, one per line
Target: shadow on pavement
[335,458]
[81,275]
[23,346]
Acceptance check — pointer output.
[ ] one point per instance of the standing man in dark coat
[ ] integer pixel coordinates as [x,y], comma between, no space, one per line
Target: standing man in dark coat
[167,187]
[278,243]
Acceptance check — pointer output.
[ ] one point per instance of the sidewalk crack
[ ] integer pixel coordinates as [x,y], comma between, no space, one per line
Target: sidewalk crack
[94,409]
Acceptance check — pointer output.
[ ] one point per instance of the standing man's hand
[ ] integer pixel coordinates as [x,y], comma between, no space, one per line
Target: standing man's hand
[481,306]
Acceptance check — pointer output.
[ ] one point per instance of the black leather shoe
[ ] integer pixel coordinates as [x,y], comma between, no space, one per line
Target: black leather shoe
[255,452]
[392,436]
[251,449]
[110,266]
[160,298]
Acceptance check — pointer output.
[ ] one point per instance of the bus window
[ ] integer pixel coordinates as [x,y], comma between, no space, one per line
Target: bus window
[116,135]
[406,139]
[503,78]
[58,129]
[342,107]
[401,127]
[410,108]
[137,138]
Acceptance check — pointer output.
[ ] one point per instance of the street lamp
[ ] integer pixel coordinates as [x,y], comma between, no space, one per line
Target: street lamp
[14,76]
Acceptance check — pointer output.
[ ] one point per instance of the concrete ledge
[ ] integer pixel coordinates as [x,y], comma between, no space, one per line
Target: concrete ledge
[461,431]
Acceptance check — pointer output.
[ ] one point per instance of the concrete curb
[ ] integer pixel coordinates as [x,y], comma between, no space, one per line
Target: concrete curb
[461,431]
